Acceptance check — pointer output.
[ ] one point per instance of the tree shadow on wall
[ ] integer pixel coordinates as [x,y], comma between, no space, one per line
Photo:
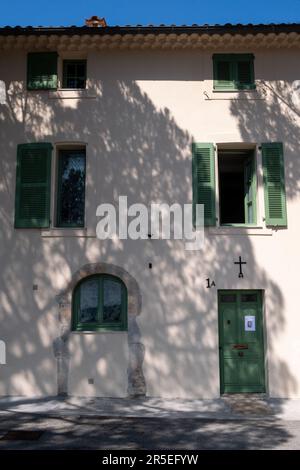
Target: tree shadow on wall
[275,118]
[138,150]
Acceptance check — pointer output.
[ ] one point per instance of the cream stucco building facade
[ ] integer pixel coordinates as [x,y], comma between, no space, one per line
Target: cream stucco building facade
[149,95]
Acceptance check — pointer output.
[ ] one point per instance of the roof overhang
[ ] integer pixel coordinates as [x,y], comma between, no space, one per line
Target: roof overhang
[151,37]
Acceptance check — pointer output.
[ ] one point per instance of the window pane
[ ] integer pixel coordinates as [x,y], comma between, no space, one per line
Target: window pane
[74,73]
[89,299]
[80,83]
[71,186]
[71,82]
[223,71]
[249,297]
[112,301]
[71,69]
[75,82]
[81,69]
[228,298]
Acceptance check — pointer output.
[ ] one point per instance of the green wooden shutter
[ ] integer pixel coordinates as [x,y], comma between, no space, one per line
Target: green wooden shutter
[274,185]
[250,191]
[42,71]
[32,203]
[244,74]
[233,72]
[204,181]
[223,75]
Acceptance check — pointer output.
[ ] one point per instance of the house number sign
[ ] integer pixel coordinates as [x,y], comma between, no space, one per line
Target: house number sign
[210,283]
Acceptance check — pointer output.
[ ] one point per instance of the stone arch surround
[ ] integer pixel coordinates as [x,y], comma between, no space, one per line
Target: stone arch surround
[136,381]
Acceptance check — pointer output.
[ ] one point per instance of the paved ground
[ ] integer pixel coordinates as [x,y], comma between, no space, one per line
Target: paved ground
[88,432]
[99,423]
[229,406]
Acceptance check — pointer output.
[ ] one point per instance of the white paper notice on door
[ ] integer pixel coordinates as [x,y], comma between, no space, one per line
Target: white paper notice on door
[249,323]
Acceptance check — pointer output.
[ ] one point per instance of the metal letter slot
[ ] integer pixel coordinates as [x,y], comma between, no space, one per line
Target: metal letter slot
[240,346]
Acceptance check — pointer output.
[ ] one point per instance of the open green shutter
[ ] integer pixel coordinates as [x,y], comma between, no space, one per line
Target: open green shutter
[32,204]
[274,185]
[250,190]
[204,181]
[42,71]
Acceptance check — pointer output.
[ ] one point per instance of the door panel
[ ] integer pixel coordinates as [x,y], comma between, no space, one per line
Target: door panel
[241,341]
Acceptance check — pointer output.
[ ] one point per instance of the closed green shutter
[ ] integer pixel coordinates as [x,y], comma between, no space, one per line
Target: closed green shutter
[223,75]
[42,71]
[32,204]
[233,72]
[274,184]
[204,181]
[244,74]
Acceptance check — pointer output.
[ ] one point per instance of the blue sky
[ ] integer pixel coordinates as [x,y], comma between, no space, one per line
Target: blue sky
[122,12]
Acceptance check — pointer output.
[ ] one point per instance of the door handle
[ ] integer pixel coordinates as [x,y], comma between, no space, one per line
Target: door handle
[240,346]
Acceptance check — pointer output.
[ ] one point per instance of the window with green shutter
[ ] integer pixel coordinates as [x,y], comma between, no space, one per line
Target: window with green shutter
[204,181]
[33,179]
[42,71]
[233,72]
[100,304]
[274,184]
[237,186]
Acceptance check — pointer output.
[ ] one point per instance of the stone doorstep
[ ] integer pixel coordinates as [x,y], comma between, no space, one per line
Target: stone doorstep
[248,403]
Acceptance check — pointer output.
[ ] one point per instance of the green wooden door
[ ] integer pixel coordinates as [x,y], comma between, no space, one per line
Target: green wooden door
[241,341]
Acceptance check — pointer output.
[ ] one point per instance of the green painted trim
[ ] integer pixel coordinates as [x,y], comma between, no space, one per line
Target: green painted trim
[197,186]
[59,224]
[241,389]
[65,76]
[96,328]
[100,325]
[273,221]
[239,225]
[233,84]
[33,222]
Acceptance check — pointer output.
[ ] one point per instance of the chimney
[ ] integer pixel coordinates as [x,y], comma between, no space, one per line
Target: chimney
[95,22]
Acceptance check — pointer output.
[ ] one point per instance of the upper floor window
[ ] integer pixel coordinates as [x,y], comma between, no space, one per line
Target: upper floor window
[237,189]
[100,304]
[233,72]
[34,186]
[71,188]
[74,73]
[42,71]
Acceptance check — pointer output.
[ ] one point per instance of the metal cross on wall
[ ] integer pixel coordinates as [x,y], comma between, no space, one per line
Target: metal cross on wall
[240,263]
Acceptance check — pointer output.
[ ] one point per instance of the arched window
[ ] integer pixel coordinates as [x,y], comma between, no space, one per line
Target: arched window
[100,304]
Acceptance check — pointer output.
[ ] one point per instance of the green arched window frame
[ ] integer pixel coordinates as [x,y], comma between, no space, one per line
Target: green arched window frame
[93,308]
